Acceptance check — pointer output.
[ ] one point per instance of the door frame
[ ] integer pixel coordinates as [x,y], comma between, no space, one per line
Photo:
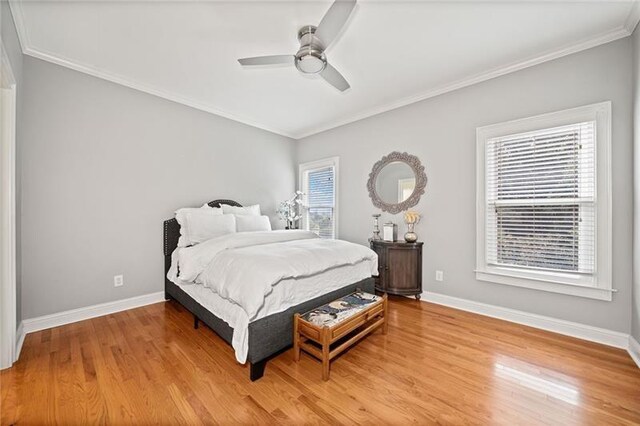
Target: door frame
[8,350]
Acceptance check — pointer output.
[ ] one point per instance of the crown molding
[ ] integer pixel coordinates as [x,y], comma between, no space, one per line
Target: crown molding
[588,43]
[132,84]
[18,19]
[30,50]
[633,18]
[625,30]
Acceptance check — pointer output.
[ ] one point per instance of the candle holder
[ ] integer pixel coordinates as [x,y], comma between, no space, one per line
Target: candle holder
[376,227]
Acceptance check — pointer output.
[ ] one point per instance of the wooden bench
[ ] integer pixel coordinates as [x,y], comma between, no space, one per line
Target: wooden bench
[341,323]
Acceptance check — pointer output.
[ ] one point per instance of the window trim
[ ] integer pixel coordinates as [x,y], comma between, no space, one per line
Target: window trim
[600,285]
[319,164]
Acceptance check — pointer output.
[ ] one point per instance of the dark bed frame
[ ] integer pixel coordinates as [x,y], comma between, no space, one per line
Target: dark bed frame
[268,336]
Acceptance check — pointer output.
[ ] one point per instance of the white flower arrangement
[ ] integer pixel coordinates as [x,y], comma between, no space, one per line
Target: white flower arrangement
[289,210]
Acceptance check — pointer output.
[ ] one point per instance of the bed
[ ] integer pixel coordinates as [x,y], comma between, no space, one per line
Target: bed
[267,335]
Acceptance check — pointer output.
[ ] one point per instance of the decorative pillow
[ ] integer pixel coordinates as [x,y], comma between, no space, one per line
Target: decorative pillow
[242,211]
[198,225]
[247,223]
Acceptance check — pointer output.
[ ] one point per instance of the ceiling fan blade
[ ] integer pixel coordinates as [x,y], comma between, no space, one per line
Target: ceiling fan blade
[334,20]
[267,60]
[334,78]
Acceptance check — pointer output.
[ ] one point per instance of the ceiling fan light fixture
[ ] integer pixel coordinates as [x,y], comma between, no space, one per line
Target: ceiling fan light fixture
[310,61]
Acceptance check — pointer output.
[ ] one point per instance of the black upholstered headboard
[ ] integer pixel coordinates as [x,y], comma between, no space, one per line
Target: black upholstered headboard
[172,229]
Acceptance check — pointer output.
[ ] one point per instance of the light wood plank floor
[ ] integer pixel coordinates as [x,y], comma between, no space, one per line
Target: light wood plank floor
[436,365]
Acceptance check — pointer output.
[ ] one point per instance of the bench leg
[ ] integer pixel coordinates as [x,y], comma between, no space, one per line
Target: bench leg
[385,324]
[296,339]
[257,369]
[326,361]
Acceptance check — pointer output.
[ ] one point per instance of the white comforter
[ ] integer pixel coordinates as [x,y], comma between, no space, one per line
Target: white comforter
[243,267]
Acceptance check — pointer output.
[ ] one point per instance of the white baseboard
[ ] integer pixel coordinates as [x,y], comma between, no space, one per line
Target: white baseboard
[634,350]
[19,340]
[568,328]
[75,315]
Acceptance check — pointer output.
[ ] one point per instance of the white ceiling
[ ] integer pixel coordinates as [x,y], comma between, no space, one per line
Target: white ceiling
[392,52]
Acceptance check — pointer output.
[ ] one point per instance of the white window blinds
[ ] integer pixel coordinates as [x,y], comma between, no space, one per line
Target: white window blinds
[320,195]
[541,204]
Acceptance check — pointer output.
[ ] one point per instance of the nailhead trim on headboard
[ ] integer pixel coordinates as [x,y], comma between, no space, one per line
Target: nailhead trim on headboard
[171,229]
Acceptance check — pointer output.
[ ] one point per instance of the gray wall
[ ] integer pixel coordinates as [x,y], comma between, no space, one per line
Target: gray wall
[441,132]
[100,167]
[104,165]
[635,324]
[14,53]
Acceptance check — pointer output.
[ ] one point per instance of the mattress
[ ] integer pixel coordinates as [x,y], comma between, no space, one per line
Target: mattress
[285,294]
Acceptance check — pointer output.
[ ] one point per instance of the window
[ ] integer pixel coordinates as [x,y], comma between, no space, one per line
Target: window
[319,184]
[543,217]
[405,188]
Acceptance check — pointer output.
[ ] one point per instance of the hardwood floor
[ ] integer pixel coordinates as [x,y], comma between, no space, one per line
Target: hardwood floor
[436,365]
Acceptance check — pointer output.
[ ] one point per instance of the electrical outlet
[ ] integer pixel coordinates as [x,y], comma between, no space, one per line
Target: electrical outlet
[439,276]
[118,281]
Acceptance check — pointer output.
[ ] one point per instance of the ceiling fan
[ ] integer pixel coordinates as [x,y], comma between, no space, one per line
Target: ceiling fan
[310,58]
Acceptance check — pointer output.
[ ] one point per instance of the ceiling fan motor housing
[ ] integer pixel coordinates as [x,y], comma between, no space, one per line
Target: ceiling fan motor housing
[310,58]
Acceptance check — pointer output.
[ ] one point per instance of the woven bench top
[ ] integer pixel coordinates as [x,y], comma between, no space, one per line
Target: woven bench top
[340,309]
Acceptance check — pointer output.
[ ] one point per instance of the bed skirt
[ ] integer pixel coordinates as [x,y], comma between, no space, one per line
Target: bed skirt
[269,335]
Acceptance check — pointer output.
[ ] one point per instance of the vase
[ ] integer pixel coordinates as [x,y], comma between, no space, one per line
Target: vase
[410,236]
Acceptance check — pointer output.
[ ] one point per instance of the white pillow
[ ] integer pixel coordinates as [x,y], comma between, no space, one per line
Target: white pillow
[213,211]
[242,211]
[198,225]
[246,223]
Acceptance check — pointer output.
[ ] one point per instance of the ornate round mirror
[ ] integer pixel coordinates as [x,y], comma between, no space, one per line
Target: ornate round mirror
[396,182]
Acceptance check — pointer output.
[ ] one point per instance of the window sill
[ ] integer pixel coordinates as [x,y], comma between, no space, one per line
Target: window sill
[500,276]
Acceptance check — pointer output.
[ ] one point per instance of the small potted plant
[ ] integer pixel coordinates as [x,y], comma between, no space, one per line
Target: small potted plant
[411,218]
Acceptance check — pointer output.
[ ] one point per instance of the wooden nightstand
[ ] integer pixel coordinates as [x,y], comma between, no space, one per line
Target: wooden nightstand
[399,267]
